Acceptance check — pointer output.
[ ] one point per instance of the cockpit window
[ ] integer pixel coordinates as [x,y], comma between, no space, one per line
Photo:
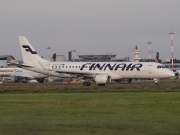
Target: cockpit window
[161,66]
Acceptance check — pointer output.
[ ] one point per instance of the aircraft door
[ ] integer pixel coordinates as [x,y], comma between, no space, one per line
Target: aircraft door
[150,69]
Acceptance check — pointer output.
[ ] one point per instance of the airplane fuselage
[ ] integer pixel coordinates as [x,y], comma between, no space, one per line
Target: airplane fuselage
[117,70]
[100,72]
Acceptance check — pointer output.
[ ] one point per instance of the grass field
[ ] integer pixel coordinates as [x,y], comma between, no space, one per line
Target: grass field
[130,111]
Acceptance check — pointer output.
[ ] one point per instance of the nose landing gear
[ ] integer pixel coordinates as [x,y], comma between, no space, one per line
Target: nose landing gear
[156,81]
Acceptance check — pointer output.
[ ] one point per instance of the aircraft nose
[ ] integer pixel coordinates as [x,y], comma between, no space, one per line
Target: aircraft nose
[171,74]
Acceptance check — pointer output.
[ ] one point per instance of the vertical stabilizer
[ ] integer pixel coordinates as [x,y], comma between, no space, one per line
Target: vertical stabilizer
[28,52]
[157,57]
[53,59]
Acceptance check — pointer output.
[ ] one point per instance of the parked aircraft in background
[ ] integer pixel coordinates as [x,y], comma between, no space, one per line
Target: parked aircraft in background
[7,71]
[53,59]
[100,72]
[22,75]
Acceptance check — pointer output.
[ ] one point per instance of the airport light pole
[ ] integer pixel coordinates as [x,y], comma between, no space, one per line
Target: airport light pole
[110,57]
[149,43]
[107,56]
[48,48]
[152,52]
[172,51]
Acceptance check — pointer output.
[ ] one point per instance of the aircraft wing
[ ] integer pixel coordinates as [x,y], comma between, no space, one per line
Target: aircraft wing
[77,72]
[24,76]
[26,66]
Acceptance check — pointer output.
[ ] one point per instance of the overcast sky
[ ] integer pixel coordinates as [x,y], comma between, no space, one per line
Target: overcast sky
[90,26]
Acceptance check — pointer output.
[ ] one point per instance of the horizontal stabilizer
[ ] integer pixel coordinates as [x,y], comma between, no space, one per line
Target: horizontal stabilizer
[25,66]
[20,65]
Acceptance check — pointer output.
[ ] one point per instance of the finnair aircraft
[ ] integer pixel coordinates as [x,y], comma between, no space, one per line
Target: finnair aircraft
[100,72]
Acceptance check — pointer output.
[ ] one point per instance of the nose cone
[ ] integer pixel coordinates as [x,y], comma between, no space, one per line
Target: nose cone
[171,74]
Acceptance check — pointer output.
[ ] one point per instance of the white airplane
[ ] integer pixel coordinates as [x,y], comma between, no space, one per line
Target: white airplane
[22,75]
[7,71]
[100,72]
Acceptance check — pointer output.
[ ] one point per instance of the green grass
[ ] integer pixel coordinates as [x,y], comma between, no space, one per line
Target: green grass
[115,87]
[101,113]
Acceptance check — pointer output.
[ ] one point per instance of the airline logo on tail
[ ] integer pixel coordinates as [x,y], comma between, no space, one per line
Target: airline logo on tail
[53,59]
[28,49]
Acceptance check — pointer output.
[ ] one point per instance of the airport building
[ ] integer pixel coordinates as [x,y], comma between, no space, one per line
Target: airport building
[101,58]
[60,58]
[5,61]
[96,57]
[137,53]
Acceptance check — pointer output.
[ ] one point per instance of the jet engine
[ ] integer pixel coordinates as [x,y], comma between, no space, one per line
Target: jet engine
[102,79]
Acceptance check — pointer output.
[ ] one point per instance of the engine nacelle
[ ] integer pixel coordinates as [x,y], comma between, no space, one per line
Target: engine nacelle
[102,79]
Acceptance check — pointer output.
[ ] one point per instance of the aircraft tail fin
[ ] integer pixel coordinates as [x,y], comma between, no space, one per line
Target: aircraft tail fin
[28,52]
[53,59]
[157,57]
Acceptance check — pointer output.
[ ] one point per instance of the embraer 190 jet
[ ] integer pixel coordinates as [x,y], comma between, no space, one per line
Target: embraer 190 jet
[99,72]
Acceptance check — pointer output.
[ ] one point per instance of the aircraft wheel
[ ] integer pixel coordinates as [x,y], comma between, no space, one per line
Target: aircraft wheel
[129,80]
[101,84]
[89,84]
[86,83]
[155,81]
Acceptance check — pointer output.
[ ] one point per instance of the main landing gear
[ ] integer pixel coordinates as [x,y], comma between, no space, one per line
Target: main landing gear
[86,83]
[101,84]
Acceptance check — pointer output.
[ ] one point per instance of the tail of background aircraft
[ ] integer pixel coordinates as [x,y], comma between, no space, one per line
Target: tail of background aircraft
[28,52]
[157,57]
[53,59]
